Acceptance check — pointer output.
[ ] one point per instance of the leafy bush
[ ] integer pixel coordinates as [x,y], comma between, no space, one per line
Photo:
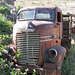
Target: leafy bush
[5,10]
[7,65]
[2,2]
[5,27]
[2,17]
[5,39]
[8,68]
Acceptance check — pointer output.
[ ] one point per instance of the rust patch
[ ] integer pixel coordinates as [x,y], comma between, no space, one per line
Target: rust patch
[50,66]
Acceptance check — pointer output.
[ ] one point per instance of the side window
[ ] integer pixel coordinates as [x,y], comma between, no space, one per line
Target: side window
[59,17]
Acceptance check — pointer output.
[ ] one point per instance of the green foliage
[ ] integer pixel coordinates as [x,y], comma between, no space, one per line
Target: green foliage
[34,72]
[69,63]
[2,2]
[17,8]
[6,66]
[5,39]
[5,10]
[17,55]
[5,27]
[2,17]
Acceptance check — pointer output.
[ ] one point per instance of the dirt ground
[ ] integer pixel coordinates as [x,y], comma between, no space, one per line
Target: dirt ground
[65,5]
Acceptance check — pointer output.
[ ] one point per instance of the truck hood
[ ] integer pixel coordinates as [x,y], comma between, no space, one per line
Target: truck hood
[31,24]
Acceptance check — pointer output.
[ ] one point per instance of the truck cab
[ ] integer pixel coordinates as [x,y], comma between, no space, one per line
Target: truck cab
[38,34]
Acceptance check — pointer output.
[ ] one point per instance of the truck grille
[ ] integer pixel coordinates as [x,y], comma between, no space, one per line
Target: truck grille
[29,45]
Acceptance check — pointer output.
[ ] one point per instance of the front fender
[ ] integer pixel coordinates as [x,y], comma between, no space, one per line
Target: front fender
[55,55]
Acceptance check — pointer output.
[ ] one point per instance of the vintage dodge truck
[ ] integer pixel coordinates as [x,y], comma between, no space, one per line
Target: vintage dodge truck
[42,37]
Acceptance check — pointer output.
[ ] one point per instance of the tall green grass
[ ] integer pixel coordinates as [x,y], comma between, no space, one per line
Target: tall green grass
[69,63]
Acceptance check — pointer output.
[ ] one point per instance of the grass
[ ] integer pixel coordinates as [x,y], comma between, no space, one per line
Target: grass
[69,63]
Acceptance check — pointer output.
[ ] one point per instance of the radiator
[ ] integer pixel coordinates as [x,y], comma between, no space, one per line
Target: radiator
[29,45]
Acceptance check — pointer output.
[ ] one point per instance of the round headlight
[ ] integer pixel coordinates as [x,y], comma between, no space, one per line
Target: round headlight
[60,37]
[52,53]
[55,36]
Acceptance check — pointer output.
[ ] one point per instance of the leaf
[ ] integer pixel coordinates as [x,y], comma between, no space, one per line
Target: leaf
[13,73]
[1,59]
[17,51]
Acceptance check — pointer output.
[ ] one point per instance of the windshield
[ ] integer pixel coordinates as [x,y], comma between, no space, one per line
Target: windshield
[26,14]
[44,14]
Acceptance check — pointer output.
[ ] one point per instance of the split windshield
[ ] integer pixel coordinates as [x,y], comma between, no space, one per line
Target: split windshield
[44,14]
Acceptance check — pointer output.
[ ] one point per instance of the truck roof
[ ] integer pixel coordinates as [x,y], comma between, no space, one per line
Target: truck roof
[37,7]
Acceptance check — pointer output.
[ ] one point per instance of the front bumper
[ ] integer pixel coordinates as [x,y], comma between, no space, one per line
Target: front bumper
[48,69]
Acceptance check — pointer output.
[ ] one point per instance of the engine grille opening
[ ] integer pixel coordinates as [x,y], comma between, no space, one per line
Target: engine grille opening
[29,45]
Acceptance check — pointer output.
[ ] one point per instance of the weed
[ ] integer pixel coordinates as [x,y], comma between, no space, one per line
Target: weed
[69,63]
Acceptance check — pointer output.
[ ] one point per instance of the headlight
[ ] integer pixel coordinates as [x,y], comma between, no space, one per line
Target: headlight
[52,53]
[60,37]
[55,36]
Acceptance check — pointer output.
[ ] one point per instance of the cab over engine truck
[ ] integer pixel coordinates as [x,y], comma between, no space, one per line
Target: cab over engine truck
[38,34]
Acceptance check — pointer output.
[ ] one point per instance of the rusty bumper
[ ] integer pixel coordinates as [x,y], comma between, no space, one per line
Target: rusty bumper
[48,69]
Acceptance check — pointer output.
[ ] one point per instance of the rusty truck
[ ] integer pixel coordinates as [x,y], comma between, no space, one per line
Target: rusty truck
[42,37]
